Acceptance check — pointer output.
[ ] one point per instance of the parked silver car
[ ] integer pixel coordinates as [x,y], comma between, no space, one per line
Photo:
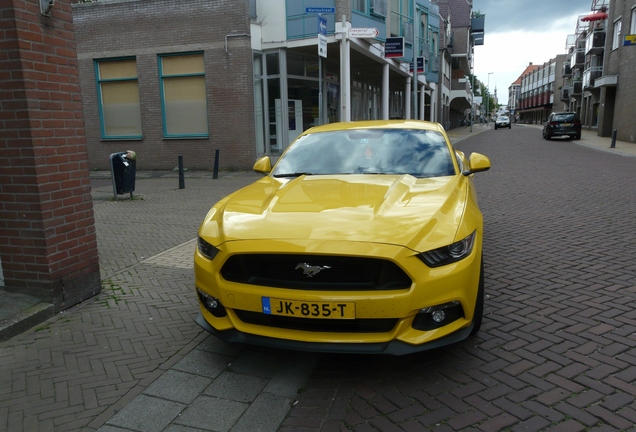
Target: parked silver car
[502,121]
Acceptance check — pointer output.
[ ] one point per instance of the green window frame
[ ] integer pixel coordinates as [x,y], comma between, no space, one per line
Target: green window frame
[183,95]
[118,98]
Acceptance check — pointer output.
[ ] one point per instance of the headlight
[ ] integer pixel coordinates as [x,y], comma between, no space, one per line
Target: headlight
[206,249]
[449,254]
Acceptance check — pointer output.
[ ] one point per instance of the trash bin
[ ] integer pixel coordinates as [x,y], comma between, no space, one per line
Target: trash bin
[123,168]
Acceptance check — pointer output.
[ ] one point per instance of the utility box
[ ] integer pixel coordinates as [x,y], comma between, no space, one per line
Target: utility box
[123,169]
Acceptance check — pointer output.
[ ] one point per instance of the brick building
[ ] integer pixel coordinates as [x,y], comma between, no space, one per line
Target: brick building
[167,78]
[539,90]
[48,245]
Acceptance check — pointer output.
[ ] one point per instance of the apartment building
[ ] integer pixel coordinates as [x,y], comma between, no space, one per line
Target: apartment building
[537,90]
[596,76]
[616,84]
[168,78]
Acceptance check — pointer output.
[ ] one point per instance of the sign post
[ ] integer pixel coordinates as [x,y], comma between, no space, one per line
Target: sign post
[322,52]
[322,48]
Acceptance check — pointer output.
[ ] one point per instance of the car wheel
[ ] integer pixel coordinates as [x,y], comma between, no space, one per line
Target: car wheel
[479,305]
[509,126]
[548,136]
[495,127]
[577,137]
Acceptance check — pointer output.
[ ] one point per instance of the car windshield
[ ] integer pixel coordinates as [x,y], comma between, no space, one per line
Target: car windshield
[368,151]
[503,118]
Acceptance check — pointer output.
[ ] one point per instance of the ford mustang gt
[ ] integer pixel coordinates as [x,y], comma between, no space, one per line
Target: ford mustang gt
[364,237]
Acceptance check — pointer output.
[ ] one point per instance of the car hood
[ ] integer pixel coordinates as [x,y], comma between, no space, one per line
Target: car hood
[389,209]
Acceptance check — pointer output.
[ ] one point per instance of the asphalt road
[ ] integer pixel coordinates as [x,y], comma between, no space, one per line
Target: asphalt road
[557,349]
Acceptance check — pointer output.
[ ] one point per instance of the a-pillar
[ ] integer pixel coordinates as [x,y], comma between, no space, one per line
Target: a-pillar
[48,245]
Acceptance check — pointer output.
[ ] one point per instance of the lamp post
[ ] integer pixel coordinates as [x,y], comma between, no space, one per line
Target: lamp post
[488,98]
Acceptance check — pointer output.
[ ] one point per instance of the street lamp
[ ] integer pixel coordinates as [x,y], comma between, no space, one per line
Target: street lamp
[488,98]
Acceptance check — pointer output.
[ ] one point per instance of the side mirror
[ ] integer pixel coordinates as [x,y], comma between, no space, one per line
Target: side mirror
[477,163]
[263,165]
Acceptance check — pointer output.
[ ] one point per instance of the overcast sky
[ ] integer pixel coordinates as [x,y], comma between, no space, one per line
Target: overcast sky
[520,32]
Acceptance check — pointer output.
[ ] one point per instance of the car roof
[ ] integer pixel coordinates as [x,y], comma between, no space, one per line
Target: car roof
[377,124]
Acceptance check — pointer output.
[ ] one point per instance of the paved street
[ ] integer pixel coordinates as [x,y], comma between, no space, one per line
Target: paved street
[557,350]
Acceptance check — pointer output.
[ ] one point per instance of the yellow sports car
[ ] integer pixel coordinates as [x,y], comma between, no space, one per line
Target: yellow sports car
[365,237]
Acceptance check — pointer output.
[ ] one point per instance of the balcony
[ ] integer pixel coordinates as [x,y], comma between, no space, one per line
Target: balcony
[606,81]
[595,42]
[578,59]
[566,93]
[590,76]
[460,88]
[577,88]
[567,70]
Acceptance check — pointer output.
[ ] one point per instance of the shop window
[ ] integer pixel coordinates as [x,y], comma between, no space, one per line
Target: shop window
[183,95]
[118,98]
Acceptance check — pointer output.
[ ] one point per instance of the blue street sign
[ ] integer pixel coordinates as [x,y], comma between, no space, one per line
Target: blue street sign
[322,26]
[320,10]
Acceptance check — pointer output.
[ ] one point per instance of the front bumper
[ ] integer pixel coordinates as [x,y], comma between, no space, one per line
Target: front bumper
[431,287]
[394,347]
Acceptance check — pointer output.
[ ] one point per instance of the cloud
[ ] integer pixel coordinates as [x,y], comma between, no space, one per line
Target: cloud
[529,15]
[520,32]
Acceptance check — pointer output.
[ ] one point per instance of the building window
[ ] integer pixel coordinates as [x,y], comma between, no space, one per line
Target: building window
[183,99]
[616,40]
[370,7]
[359,5]
[118,98]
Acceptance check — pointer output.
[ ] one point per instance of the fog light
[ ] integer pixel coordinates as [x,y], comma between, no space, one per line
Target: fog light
[212,304]
[438,316]
[434,317]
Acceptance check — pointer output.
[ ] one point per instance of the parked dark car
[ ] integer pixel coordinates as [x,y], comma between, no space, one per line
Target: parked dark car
[562,124]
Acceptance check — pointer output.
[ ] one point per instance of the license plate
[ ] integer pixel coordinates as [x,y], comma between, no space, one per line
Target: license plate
[566,124]
[301,309]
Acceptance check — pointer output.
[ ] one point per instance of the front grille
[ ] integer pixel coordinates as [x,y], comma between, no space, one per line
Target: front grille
[315,272]
[382,325]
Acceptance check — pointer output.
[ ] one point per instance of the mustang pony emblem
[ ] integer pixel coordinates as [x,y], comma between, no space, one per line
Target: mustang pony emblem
[309,270]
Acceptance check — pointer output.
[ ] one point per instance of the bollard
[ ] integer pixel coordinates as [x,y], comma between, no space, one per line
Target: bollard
[216,165]
[181,176]
[614,132]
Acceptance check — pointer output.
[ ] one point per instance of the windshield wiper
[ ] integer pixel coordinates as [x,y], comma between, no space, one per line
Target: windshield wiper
[296,174]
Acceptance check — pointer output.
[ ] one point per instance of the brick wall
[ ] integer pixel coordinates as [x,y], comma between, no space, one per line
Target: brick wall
[47,238]
[147,28]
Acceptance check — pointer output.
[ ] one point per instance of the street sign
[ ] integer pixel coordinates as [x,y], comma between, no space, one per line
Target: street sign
[394,47]
[322,36]
[322,25]
[629,40]
[320,10]
[363,32]
[420,65]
